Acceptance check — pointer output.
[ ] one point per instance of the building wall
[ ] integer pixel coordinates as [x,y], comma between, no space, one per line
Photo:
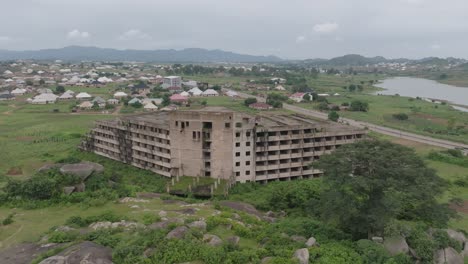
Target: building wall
[222,144]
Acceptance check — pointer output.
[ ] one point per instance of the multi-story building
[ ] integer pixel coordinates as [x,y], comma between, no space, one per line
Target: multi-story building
[172,81]
[220,143]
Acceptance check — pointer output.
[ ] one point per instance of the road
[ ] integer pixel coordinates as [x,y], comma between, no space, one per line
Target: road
[376,128]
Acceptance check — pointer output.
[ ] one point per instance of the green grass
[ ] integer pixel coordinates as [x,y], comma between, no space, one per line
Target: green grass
[422,115]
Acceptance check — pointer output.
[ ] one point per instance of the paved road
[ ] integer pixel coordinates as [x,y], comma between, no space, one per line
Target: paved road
[380,129]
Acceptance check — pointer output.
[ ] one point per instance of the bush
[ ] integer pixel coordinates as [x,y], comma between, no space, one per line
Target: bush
[400,116]
[333,116]
[62,237]
[359,106]
[8,220]
[250,101]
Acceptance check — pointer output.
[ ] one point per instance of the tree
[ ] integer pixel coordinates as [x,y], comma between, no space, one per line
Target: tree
[250,101]
[323,106]
[333,116]
[166,100]
[359,106]
[400,116]
[59,89]
[368,184]
[41,82]
[307,97]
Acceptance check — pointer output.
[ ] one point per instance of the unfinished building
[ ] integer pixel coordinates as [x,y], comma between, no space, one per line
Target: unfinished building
[220,143]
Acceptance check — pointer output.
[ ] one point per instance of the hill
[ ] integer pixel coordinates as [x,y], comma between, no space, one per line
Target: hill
[79,53]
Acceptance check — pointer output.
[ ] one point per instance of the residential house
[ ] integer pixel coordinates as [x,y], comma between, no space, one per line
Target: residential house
[210,92]
[177,98]
[83,96]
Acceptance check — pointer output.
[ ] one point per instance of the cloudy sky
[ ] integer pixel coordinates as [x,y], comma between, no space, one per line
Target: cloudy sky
[286,28]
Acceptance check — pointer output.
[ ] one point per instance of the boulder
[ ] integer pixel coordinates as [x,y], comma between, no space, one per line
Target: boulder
[81,170]
[178,232]
[100,225]
[162,214]
[149,252]
[377,239]
[270,214]
[266,260]
[302,255]
[132,200]
[24,253]
[464,252]
[396,245]
[455,235]
[85,252]
[448,256]
[234,240]
[98,168]
[80,187]
[127,225]
[311,242]
[188,211]
[298,238]
[64,229]
[198,224]
[68,190]
[159,225]
[212,240]
[269,219]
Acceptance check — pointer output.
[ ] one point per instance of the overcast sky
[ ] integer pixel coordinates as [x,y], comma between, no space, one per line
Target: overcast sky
[286,28]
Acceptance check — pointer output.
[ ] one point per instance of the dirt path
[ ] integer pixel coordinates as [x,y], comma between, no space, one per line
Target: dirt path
[12,235]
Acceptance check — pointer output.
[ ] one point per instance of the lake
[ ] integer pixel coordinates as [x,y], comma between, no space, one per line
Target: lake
[414,87]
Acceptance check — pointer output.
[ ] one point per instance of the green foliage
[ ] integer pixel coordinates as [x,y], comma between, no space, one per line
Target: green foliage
[62,237]
[369,183]
[336,253]
[250,101]
[400,116]
[449,156]
[59,89]
[333,116]
[422,244]
[150,218]
[323,106]
[276,99]
[8,220]
[371,252]
[78,221]
[359,106]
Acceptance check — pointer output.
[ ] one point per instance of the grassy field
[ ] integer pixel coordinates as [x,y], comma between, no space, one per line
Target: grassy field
[423,116]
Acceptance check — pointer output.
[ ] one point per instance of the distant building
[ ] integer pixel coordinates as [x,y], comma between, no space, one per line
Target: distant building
[220,143]
[260,106]
[299,97]
[172,81]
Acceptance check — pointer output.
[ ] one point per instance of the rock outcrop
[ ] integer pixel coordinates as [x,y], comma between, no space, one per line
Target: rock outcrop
[177,233]
[198,224]
[302,255]
[448,256]
[311,242]
[212,240]
[24,253]
[396,245]
[85,252]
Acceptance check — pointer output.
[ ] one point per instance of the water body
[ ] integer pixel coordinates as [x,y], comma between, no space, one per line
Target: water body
[418,87]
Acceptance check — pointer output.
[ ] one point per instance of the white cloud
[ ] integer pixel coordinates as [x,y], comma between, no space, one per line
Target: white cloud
[5,39]
[326,28]
[76,34]
[133,34]
[300,39]
[435,47]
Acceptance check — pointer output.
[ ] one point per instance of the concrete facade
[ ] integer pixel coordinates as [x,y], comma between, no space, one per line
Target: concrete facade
[220,143]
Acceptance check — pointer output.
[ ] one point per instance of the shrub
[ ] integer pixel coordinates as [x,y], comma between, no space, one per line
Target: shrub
[8,220]
[400,116]
[250,101]
[359,106]
[150,218]
[333,116]
[62,237]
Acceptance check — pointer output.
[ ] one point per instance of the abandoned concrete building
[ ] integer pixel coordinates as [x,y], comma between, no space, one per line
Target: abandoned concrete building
[220,143]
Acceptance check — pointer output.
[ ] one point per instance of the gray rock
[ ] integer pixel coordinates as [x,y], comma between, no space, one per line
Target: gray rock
[212,240]
[68,190]
[85,252]
[377,239]
[266,260]
[149,252]
[81,170]
[464,253]
[98,168]
[177,233]
[458,236]
[270,214]
[269,219]
[234,240]
[311,242]
[302,255]
[396,245]
[162,214]
[50,166]
[80,187]
[198,224]
[448,256]
[159,225]
[24,253]
[298,238]
[64,229]
[188,211]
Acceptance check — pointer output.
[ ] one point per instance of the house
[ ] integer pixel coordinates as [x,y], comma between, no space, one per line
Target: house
[83,96]
[210,92]
[86,105]
[120,95]
[101,102]
[6,96]
[113,101]
[150,107]
[44,90]
[134,101]
[177,98]
[231,93]
[280,88]
[172,81]
[67,95]
[190,84]
[155,101]
[323,94]
[45,98]
[260,106]
[18,91]
[174,89]
[171,107]
[278,80]
[184,93]
[195,91]
[299,97]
